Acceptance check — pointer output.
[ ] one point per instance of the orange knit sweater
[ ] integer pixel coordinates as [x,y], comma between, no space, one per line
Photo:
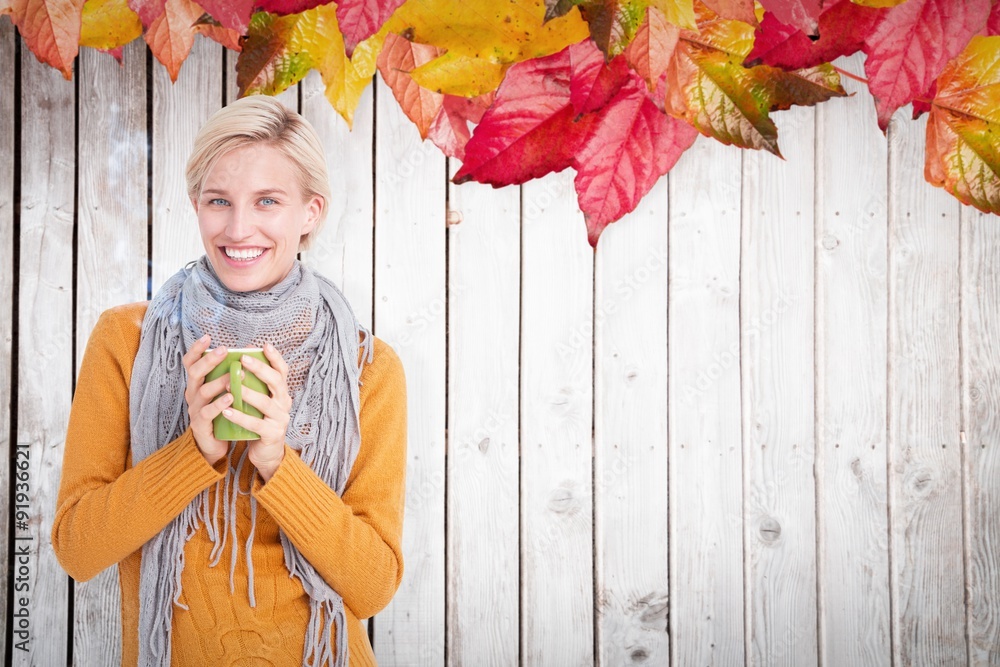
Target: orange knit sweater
[108,509]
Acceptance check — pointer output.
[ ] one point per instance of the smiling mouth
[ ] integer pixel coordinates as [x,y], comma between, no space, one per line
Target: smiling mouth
[243,254]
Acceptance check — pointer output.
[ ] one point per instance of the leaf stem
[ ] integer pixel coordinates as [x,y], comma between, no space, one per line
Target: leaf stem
[849,75]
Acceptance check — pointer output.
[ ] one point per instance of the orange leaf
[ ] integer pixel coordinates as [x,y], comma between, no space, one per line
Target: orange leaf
[650,52]
[50,28]
[170,28]
[741,10]
[215,31]
[399,57]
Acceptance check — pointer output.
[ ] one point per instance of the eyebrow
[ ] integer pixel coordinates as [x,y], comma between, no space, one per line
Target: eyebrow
[258,193]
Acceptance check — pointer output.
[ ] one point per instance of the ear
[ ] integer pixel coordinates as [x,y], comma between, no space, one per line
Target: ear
[194,203]
[314,208]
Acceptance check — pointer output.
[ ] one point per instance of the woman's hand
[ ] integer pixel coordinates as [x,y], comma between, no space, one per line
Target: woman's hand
[266,454]
[203,406]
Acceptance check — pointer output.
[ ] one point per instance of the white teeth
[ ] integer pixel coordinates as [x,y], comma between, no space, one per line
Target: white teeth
[245,254]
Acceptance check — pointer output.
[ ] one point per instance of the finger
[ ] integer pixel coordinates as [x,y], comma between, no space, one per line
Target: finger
[249,422]
[267,374]
[209,391]
[270,407]
[277,361]
[196,350]
[204,366]
[217,407]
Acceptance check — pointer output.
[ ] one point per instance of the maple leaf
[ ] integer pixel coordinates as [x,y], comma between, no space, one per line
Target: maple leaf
[360,19]
[50,29]
[450,128]
[802,14]
[631,144]
[530,130]
[843,27]
[231,14]
[168,29]
[963,152]
[398,58]
[108,25]
[651,51]
[910,46]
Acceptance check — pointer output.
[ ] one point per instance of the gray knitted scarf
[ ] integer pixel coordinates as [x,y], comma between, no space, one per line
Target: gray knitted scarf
[311,324]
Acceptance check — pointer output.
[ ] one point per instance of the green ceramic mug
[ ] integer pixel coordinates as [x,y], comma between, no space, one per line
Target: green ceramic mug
[232,364]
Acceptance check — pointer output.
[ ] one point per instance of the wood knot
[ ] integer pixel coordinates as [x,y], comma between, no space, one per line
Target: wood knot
[856,468]
[639,655]
[484,444]
[770,530]
[562,500]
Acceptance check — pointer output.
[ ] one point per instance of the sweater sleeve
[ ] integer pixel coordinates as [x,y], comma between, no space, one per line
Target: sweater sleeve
[354,542]
[106,510]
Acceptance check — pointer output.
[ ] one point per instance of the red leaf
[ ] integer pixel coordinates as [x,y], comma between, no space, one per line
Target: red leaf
[286,7]
[450,129]
[801,14]
[741,10]
[631,145]
[232,14]
[843,27]
[911,45]
[360,19]
[530,130]
[592,81]
[50,28]
[993,22]
[398,58]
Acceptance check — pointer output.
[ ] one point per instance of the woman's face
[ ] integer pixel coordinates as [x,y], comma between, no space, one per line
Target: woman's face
[252,215]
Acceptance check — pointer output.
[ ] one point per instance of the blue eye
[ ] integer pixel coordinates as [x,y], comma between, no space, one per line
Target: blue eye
[218,201]
[268,201]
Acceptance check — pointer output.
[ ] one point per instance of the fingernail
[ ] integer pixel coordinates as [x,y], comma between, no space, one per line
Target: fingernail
[219,351]
[203,338]
[227,412]
[248,360]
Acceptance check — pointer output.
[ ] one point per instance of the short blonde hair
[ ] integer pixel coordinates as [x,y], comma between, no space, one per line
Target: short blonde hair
[265,120]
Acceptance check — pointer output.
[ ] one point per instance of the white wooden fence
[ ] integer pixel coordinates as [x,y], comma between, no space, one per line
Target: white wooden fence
[760,425]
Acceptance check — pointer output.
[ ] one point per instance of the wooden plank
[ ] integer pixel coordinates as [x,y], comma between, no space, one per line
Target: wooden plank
[179,111]
[630,437]
[706,510]
[7,99]
[557,597]
[927,586]
[45,348]
[776,321]
[981,424]
[111,269]
[852,512]
[343,249]
[482,470]
[410,314]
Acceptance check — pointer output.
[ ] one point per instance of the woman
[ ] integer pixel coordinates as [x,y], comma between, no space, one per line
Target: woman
[259,552]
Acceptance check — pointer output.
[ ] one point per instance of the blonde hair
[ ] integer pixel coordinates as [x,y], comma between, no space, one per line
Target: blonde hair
[260,119]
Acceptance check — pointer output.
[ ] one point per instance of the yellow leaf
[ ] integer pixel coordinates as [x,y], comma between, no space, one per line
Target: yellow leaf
[108,24]
[678,12]
[878,3]
[500,32]
[453,74]
[346,78]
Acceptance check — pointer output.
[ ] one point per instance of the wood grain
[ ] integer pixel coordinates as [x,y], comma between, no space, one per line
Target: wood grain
[483,448]
[179,111]
[410,305]
[557,380]
[706,509]
[343,249]
[45,342]
[630,437]
[981,424]
[850,247]
[111,268]
[7,100]
[776,321]
[927,584]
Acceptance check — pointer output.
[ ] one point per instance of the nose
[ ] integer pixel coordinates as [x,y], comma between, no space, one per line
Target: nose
[239,225]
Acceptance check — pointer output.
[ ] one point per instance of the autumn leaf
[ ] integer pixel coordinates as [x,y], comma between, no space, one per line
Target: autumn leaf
[738,10]
[631,144]
[450,129]
[231,14]
[594,82]
[843,27]
[530,130]
[613,23]
[677,12]
[286,7]
[963,153]
[108,25]
[456,74]
[398,58]
[909,48]
[878,4]
[168,29]
[803,87]
[651,51]
[227,37]
[802,14]
[993,22]
[50,29]
[360,19]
